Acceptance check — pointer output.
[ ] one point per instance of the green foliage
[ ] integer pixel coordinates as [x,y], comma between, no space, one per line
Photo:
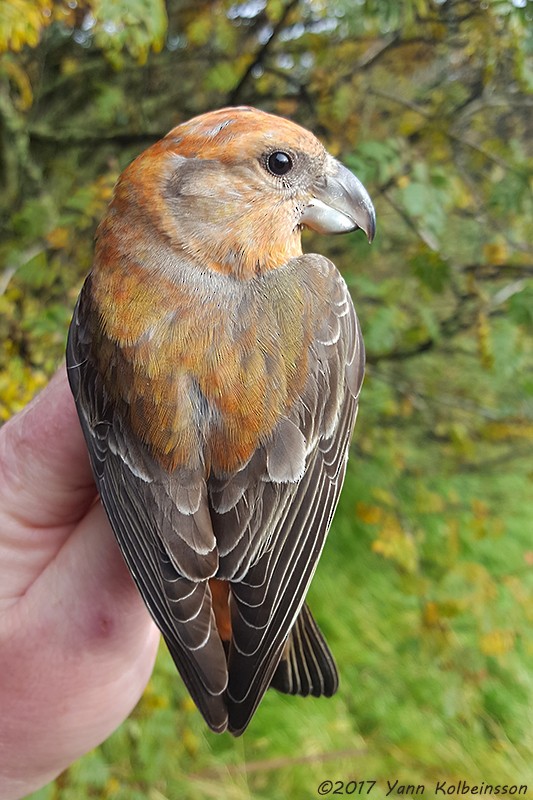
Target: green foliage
[22,23]
[425,588]
[137,26]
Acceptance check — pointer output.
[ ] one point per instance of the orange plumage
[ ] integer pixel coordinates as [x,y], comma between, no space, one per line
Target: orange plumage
[216,372]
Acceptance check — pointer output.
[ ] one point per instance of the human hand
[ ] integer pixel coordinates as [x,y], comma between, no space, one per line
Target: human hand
[77,645]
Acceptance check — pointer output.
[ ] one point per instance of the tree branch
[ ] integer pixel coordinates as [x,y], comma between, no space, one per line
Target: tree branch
[76,139]
[452,136]
[257,60]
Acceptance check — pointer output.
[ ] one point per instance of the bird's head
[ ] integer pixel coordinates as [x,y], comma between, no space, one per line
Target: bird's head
[233,188]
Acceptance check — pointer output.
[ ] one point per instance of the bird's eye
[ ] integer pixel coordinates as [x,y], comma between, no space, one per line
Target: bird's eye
[279,163]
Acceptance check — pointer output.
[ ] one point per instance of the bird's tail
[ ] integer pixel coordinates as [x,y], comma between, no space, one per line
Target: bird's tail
[306,666]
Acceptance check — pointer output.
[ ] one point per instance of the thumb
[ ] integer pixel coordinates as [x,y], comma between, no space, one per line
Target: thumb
[45,476]
[46,485]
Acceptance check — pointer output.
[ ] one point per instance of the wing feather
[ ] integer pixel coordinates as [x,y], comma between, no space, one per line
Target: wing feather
[290,526]
[160,544]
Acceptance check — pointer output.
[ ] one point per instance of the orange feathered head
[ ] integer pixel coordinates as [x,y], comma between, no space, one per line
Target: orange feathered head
[233,188]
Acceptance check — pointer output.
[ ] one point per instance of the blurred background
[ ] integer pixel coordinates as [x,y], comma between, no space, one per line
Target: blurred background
[425,588]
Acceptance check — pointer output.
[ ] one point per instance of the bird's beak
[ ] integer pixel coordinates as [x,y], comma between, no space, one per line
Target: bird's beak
[340,204]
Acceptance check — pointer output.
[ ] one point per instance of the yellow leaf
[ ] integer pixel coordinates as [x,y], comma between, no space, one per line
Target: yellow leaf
[430,615]
[70,66]
[384,496]
[496,253]
[188,705]
[410,121]
[407,406]
[22,82]
[190,742]
[58,238]
[396,544]
[22,23]
[200,30]
[480,508]
[482,330]
[511,429]
[153,700]
[369,514]
[403,181]
[454,538]
[111,787]
[497,642]
[428,502]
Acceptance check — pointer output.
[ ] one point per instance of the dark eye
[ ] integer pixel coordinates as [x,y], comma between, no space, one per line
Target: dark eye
[279,163]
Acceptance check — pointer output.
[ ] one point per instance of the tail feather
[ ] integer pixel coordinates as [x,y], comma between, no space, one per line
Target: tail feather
[307,666]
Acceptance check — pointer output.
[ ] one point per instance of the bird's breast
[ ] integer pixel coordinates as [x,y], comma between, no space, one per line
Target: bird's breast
[202,376]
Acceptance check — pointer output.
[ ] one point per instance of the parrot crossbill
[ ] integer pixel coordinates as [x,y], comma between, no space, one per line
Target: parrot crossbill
[216,371]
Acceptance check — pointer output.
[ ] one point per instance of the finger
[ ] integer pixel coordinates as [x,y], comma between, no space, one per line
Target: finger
[45,477]
[46,484]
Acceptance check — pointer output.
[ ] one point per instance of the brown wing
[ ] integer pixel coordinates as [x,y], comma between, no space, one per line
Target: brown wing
[159,523]
[274,533]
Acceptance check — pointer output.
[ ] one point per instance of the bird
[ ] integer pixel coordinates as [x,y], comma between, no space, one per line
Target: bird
[216,371]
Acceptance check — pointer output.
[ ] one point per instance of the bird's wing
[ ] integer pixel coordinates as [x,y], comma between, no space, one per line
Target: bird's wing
[273,521]
[163,529]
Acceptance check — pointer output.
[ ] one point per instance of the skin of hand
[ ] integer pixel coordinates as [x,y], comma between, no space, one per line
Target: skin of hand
[216,371]
[77,645]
